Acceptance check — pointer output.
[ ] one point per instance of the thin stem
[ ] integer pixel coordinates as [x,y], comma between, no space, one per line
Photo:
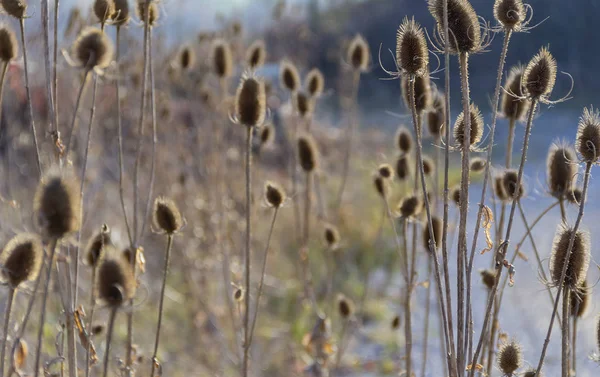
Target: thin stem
[427,315]
[155,361]
[2,79]
[7,310]
[574,342]
[55,67]
[111,325]
[563,212]
[247,251]
[407,303]
[307,207]
[46,34]
[74,119]
[294,176]
[511,128]
[91,322]
[566,306]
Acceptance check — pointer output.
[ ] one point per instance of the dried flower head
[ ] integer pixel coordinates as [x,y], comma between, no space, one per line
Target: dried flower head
[92,49]
[540,75]
[307,153]
[410,206]
[186,58]
[422,92]
[332,236]
[514,106]
[510,357]
[57,205]
[250,102]
[499,190]
[116,283]
[358,53]
[95,247]
[381,185]
[256,55]
[436,115]
[455,195]
[574,197]
[222,61]
[510,179]
[104,9]
[314,82]
[428,166]
[478,164]
[238,294]
[396,322]
[121,15]
[288,76]
[578,262]
[588,135]
[166,215]
[151,14]
[303,104]
[488,278]
[510,14]
[437,233]
[21,259]
[385,171]
[345,306]
[267,134]
[412,54]
[580,300]
[404,139]
[464,30]
[274,194]
[561,168]
[15,8]
[476,127]
[8,44]
[403,167]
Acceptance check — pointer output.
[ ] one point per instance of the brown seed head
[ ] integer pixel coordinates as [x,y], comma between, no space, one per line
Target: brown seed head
[222,61]
[464,30]
[256,55]
[561,168]
[104,9]
[92,49]
[186,58]
[115,282]
[358,53]
[8,44]
[381,185]
[540,75]
[403,167]
[95,247]
[578,262]
[412,54]
[437,232]
[57,205]
[510,357]
[385,171]
[274,194]
[303,104]
[166,215]
[422,92]
[476,127]
[499,189]
[488,278]
[396,322]
[581,298]
[307,153]
[151,14]
[478,164]
[345,307]
[267,134]
[436,115]
[588,135]
[21,259]
[455,195]
[574,197]
[332,236]
[121,15]
[250,102]
[510,14]
[404,139]
[15,8]
[509,182]
[410,206]
[314,83]
[288,76]
[428,166]
[513,106]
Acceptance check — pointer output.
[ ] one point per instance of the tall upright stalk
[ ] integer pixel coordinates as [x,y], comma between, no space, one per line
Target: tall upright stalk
[565,361]
[91,322]
[73,125]
[109,334]
[7,310]
[45,11]
[55,67]
[247,252]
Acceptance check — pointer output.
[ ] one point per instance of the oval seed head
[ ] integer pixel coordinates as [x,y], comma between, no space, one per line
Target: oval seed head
[385,171]
[302,104]
[92,49]
[499,190]
[562,168]
[403,167]
[96,245]
[250,102]
[574,197]
[222,61]
[476,127]
[314,83]
[478,164]
[8,44]
[345,306]
[404,139]
[510,357]
[422,92]
[412,54]
[588,135]
[455,195]
[166,215]
[381,185]
[437,232]
[578,262]
[151,14]
[57,205]
[332,236]
[410,206]
[186,58]
[15,8]
[267,135]
[256,54]
[580,300]
[514,106]
[288,76]
[115,282]
[509,182]
[488,278]
[436,115]
[21,259]
[510,14]
[358,54]
[396,322]
[464,30]
[121,15]
[104,9]
[238,294]
[307,153]
[540,75]
[274,195]
[428,166]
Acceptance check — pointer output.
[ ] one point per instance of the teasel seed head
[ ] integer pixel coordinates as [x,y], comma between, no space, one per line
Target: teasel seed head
[303,104]
[96,245]
[358,53]
[385,171]
[21,259]
[412,54]
[274,194]
[510,357]
[476,127]
[308,155]
[396,322]
[428,166]
[256,55]
[574,197]
[8,44]
[267,134]
[436,114]
[588,135]
[455,195]
[238,294]
[314,83]
[510,14]
[121,15]
[540,75]
[422,92]
[561,168]
[478,164]
[15,8]
[57,205]
[580,300]
[488,278]
[410,206]
[288,76]
[186,58]
[222,61]
[167,216]
[104,9]
[578,262]
[509,182]
[92,49]
[464,30]
[345,307]
[152,12]
[514,106]
[97,330]
[332,236]
[381,185]
[404,167]
[115,282]
[437,233]
[404,139]
[250,102]
[499,190]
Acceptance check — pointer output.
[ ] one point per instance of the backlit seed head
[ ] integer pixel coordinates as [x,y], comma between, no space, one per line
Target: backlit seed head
[588,135]
[121,15]
[345,306]
[238,294]
[410,206]
[307,153]
[436,115]
[499,189]
[167,216]
[96,245]
[422,92]
[15,8]
[510,357]
[332,236]
[580,300]
[250,102]
[267,134]
[404,139]
[574,197]
[455,195]
[186,58]
[21,259]
[477,164]
[476,127]
[385,171]
[222,61]
[509,183]
[8,44]
[274,195]
[396,322]
[514,106]
[314,83]
[381,185]
[404,167]
[540,75]
[437,232]
[115,282]
[358,54]
[578,262]
[510,14]
[464,30]
[561,168]
[303,104]
[412,54]
[104,9]
[97,330]
[92,49]
[151,14]
[428,166]
[256,55]
[488,278]
[57,205]
[288,76]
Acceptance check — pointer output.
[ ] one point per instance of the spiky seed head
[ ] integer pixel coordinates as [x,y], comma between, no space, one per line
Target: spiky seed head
[186,58]
[478,164]
[222,61]
[115,281]
[250,102]
[15,8]
[574,197]
[57,204]
[345,306]
[499,190]
[476,127]
[385,171]
[510,357]
[104,9]
[121,15]
[410,206]
[540,75]
[428,166]
[579,260]
[381,185]
[412,54]
[92,49]
[314,83]
[308,155]
[332,236]
[464,30]
[396,322]
[509,182]
[422,92]
[580,300]
[151,14]
[436,114]
[588,135]
[561,168]
[303,104]
[403,167]
[510,14]
[488,278]
[166,215]
[96,245]
[267,134]
[288,76]
[256,55]
[8,44]
[21,259]
[358,53]
[514,106]
[274,195]
[455,195]
[404,139]
[437,233]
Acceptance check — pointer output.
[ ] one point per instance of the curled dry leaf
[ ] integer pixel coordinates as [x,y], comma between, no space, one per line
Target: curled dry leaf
[20,355]
[486,224]
[84,336]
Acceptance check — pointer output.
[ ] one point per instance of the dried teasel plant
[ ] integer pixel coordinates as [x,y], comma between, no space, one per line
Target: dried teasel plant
[256,55]
[221,58]
[510,358]
[147,12]
[476,128]
[314,83]
[357,54]
[289,78]
[104,10]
